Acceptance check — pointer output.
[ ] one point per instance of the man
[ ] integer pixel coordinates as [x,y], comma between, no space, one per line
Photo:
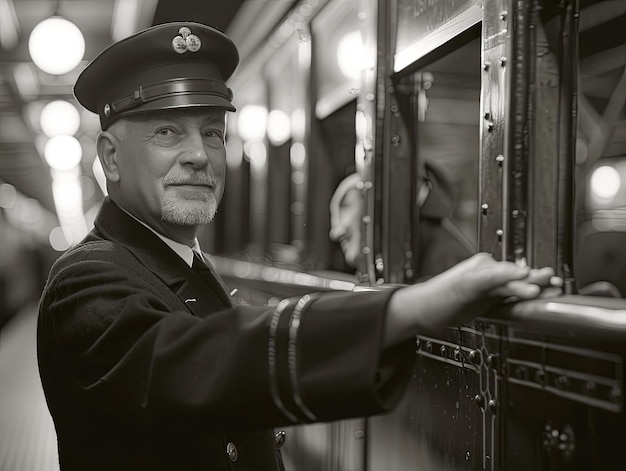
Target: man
[441,243]
[346,209]
[145,362]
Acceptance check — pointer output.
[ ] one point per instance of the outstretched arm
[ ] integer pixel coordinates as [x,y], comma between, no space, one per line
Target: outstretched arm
[464,291]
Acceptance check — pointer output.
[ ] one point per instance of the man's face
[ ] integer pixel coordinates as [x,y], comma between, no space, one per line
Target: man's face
[345,225]
[172,166]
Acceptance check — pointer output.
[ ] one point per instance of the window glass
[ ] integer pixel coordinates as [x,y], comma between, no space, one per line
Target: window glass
[600,249]
[339,55]
[445,97]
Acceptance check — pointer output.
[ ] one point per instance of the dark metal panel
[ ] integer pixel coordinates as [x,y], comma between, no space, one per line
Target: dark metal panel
[528,107]
[400,178]
[494,106]
[392,161]
[542,123]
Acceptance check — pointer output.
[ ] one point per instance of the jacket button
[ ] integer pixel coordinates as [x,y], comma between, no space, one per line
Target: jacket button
[231,451]
[280,438]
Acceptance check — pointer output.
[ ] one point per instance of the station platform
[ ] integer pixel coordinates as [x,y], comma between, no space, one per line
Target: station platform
[27,436]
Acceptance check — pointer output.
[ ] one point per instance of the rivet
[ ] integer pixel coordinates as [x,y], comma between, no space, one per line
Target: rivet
[561,382]
[231,451]
[457,353]
[474,357]
[479,400]
[484,207]
[540,376]
[589,388]
[280,438]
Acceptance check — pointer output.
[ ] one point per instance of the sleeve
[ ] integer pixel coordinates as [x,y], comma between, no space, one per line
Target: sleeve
[326,360]
[113,341]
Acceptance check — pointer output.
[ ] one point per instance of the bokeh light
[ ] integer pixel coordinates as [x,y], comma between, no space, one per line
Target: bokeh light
[63,152]
[56,45]
[605,183]
[59,117]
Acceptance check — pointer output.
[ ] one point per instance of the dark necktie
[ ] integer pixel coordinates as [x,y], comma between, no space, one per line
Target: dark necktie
[207,274]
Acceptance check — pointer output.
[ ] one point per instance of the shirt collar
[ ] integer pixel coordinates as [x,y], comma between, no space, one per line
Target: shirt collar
[183,251]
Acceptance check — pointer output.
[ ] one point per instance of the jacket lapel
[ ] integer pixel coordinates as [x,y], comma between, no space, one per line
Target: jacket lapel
[201,293]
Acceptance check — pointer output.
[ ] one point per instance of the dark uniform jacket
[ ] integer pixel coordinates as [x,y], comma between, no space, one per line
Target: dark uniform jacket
[146,363]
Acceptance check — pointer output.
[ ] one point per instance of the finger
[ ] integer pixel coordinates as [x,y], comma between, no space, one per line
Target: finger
[556,281]
[498,275]
[540,276]
[551,292]
[519,289]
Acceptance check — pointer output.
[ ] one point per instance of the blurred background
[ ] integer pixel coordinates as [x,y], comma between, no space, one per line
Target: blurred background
[50,182]
[51,185]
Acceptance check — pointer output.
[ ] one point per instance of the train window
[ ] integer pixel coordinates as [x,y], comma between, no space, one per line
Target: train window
[240,223]
[438,99]
[448,145]
[600,250]
[338,55]
[424,26]
[334,160]
[286,74]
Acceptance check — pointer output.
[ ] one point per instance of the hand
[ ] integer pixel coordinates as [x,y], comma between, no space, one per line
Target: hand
[481,276]
[465,291]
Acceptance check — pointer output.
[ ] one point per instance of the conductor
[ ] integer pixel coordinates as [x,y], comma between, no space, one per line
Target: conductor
[146,362]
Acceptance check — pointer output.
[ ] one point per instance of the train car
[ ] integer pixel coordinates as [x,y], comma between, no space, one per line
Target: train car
[473,125]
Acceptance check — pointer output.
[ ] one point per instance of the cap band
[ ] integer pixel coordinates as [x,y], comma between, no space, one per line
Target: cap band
[168,88]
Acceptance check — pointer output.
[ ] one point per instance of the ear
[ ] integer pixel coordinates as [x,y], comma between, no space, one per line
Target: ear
[108,144]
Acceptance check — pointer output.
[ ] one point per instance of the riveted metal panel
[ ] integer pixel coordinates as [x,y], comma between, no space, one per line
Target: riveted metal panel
[494,106]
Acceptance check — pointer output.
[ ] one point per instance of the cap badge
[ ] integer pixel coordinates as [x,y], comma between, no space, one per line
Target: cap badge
[185,41]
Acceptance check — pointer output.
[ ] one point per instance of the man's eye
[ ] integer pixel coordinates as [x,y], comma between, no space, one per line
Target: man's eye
[213,134]
[164,131]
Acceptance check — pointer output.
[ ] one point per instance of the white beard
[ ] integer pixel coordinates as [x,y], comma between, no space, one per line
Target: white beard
[188,212]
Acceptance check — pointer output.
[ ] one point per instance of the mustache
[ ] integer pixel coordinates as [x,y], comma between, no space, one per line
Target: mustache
[201,179]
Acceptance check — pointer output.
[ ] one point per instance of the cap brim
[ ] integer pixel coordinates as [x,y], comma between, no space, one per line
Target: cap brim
[172,103]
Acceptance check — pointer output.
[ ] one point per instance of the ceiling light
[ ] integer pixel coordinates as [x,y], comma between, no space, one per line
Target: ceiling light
[56,45]
[252,122]
[350,55]
[605,183]
[63,152]
[278,127]
[59,117]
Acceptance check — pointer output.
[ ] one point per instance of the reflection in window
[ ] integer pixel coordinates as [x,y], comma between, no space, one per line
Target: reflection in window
[600,253]
[447,93]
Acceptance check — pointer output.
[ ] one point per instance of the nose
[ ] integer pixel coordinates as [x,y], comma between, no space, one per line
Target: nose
[337,231]
[195,153]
